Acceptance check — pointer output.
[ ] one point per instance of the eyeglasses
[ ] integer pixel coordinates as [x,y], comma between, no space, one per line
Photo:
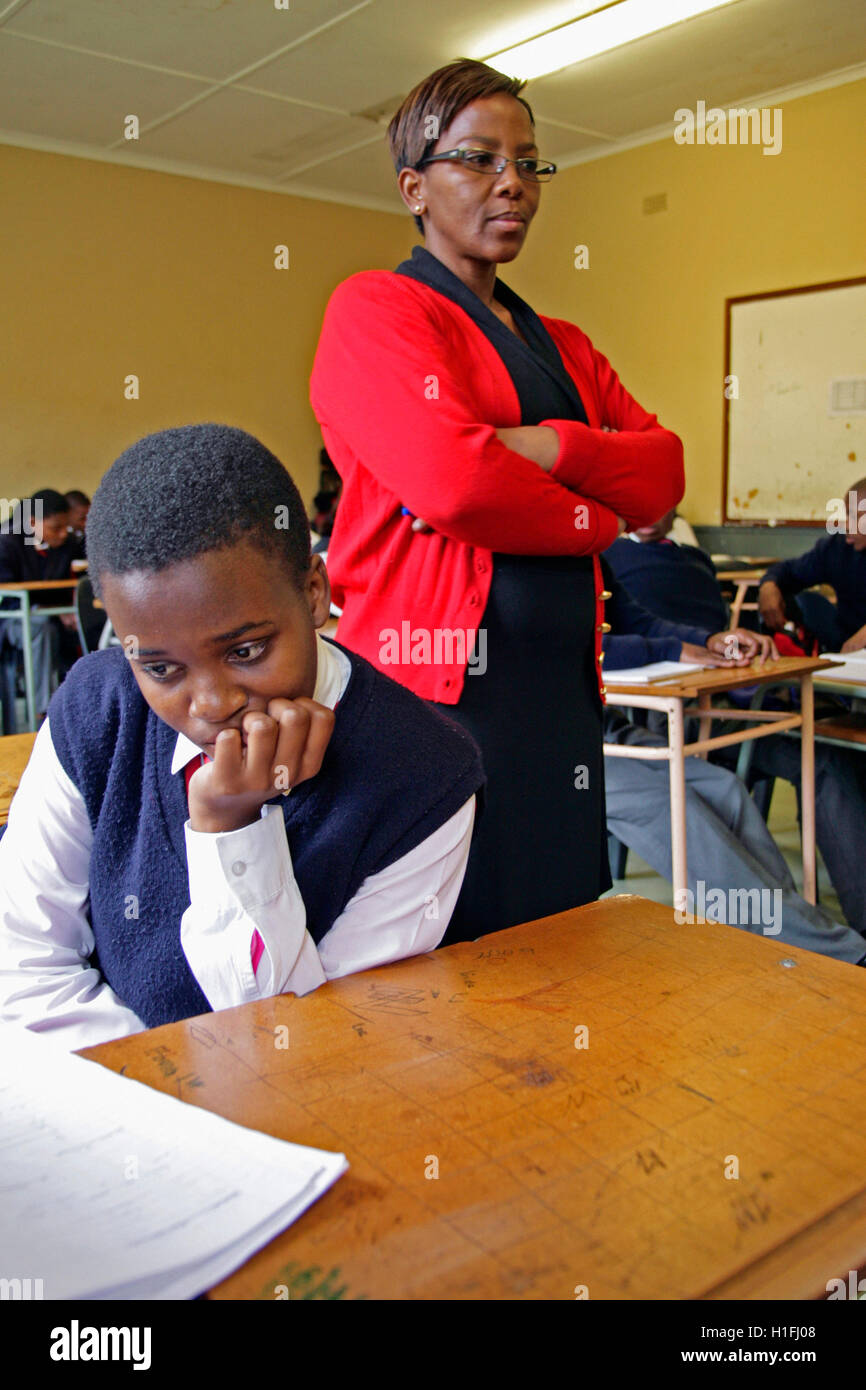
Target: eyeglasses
[485,162]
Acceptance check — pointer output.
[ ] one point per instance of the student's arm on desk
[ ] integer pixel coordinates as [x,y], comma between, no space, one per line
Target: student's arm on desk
[46,981]
[402,911]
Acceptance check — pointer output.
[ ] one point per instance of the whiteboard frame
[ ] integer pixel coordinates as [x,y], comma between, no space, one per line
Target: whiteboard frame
[730,306]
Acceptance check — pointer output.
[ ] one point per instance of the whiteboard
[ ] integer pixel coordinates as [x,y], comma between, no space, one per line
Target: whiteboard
[795,388]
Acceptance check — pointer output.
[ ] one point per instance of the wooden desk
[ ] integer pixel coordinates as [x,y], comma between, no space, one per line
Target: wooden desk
[559,1166]
[15,750]
[22,592]
[744,561]
[744,580]
[670,698]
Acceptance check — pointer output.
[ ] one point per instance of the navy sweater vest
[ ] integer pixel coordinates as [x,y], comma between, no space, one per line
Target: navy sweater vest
[394,771]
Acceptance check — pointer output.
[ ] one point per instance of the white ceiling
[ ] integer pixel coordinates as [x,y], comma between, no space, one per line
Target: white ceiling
[293,99]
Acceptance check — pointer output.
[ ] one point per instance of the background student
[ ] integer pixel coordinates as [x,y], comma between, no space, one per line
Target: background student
[670,578]
[35,544]
[838,560]
[79,506]
[153,867]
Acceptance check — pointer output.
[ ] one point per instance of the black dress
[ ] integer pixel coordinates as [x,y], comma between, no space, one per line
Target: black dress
[541,844]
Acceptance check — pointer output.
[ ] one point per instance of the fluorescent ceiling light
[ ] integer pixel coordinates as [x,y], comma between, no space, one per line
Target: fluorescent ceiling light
[597,33]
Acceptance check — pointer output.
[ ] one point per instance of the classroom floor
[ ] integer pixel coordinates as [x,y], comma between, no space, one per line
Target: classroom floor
[640,878]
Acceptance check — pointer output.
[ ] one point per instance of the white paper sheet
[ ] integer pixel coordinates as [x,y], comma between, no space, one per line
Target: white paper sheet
[655,671]
[109,1189]
[853,667]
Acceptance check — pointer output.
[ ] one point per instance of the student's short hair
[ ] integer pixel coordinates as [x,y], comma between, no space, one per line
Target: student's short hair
[443,95]
[76,498]
[51,501]
[181,492]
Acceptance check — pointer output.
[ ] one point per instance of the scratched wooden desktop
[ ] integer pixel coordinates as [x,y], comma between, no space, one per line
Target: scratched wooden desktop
[560,1166]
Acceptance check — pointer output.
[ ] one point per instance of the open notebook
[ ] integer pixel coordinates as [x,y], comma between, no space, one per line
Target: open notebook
[113,1190]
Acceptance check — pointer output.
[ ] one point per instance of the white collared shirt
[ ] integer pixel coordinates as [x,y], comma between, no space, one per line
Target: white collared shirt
[240,881]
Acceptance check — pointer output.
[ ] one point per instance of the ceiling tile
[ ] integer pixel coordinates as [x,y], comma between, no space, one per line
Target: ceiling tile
[383,50]
[365,173]
[214,38]
[250,133]
[41,93]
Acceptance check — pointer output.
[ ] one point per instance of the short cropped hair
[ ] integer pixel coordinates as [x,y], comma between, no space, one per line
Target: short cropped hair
[443,96]
[76,498]
[51,502]
[181,492]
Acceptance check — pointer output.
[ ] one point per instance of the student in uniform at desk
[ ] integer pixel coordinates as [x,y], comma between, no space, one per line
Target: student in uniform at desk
[153,867]
[35,544]
[838,560]
[673,583]
[79,506]
[728,844]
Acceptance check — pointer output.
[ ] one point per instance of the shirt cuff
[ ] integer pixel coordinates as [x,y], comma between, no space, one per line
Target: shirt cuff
[253,863]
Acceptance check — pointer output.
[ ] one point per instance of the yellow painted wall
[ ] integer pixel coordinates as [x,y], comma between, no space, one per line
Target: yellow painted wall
[108,270]
[737,222]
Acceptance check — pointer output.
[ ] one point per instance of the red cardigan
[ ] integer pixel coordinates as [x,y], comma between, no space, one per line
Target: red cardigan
[409,393]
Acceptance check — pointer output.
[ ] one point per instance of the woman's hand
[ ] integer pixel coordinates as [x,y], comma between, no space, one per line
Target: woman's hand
[537,442]
[284,746]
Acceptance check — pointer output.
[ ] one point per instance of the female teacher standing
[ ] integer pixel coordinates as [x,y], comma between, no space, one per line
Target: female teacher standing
[487,455]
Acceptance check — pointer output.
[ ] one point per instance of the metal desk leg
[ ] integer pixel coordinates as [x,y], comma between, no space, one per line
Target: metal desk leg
[705,723]
[27,644]
[807,786]
[747,748]
[677,773]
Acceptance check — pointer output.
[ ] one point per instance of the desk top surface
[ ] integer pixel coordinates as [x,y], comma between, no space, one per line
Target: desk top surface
[724,677]
[742,576]
[15,750]
[35,585]
[565,1157]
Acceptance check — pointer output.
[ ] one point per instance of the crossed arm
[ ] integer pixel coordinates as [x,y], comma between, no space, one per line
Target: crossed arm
[502,487]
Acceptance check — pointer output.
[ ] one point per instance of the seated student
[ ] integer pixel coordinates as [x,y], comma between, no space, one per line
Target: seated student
[673,580]
[728,844]
[79,506]
[35,545]
[838,560]
[156,864]
[840,776]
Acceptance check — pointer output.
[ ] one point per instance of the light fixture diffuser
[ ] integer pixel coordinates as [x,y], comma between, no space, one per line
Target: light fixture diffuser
[597,33]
